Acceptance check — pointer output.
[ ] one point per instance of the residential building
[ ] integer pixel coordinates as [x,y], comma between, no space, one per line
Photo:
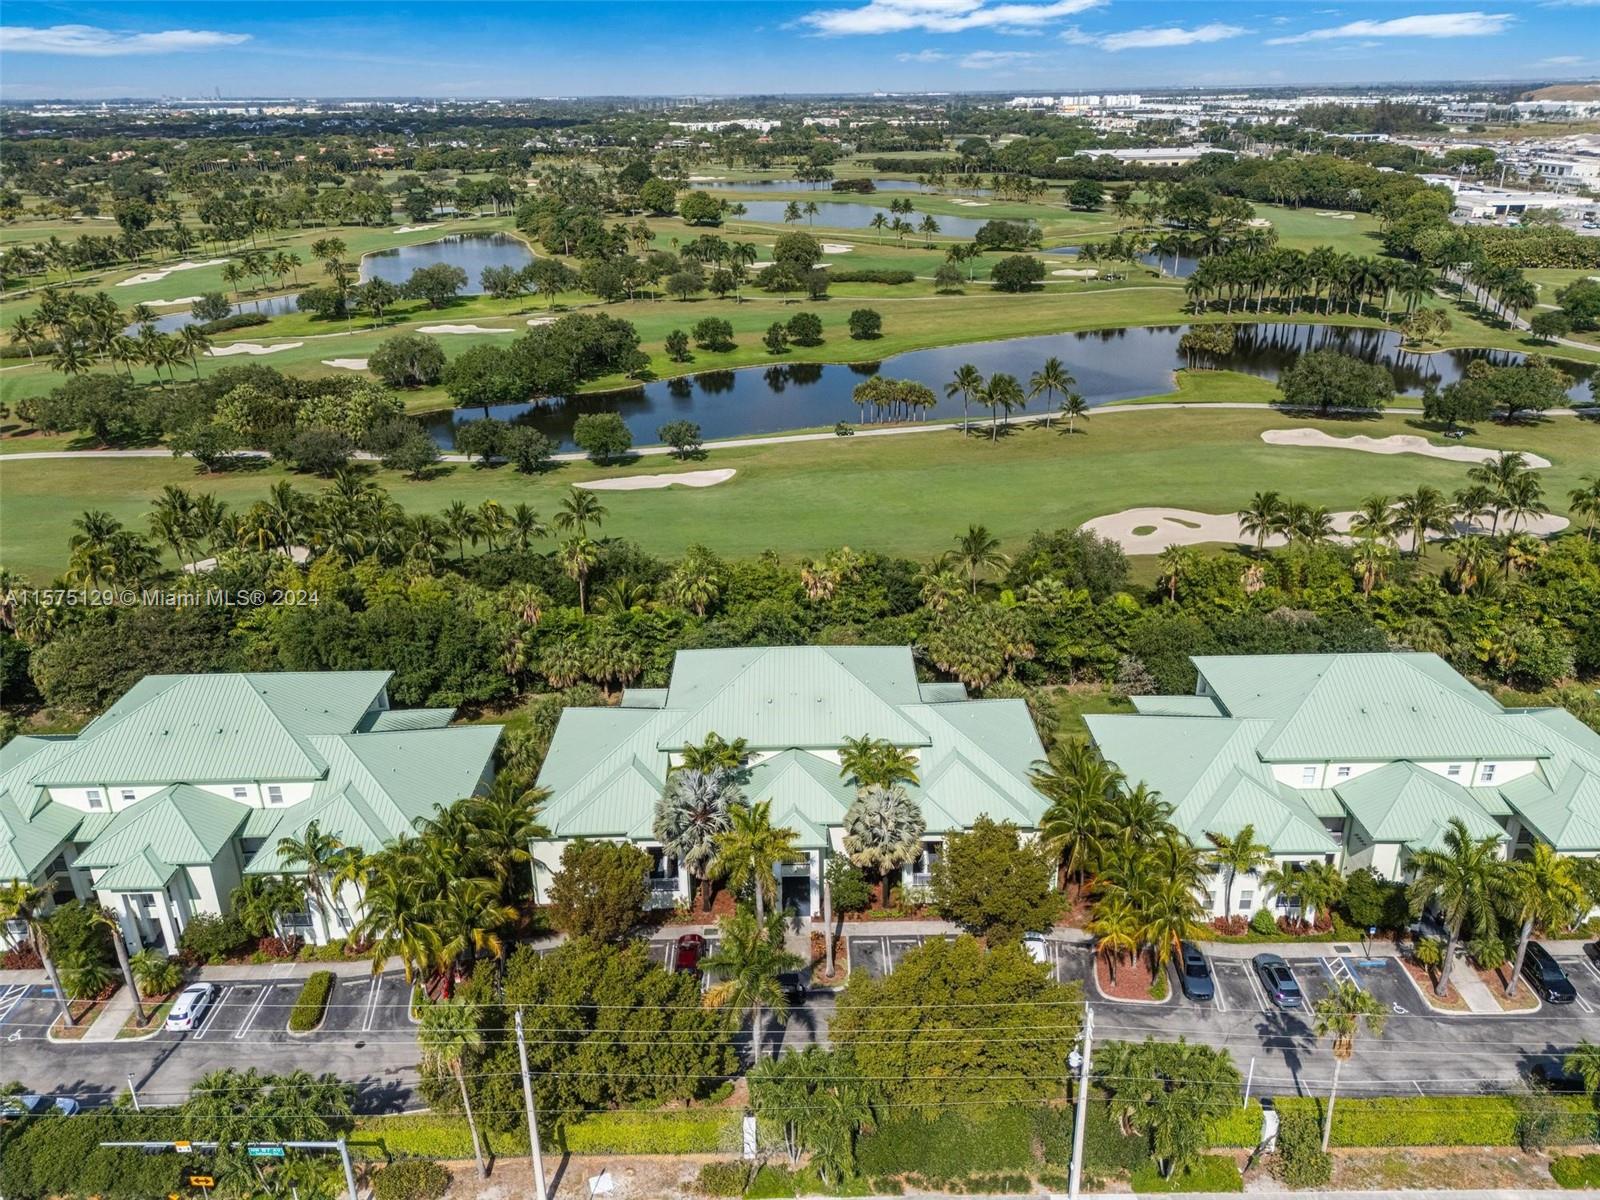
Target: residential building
[794,706]
[1359,760]
[1154,156]
[161,805]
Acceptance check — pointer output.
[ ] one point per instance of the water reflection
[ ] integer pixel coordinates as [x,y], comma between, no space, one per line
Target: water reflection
[472,252]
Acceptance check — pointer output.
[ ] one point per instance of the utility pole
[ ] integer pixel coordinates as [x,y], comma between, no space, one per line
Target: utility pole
[1075,1179]
[533,1118]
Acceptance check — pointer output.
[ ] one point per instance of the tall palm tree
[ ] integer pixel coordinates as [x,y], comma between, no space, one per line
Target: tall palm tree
[504,821]
[1049,379]
[1074,408]
[107,919]
[692,817]
[579,556]
[1459,879]
[1261,517]
[883,830]
[1238,855]
[318,856]
[1079,784]
[1115,925]
[21,901]
[395,920]
[965,383]
[1584,501]
[450,1041]
[1538,892]
[1422,512]
[977,550]
[1340,1015]
[580,508]
[751,957]
[875,762]
[749,853]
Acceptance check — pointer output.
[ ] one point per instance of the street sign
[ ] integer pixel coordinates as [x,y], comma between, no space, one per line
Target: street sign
[183,1147]
[202,1181]
[264,1151]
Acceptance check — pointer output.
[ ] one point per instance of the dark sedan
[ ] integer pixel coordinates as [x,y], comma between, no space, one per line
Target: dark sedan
[1545,974]
[1194,973]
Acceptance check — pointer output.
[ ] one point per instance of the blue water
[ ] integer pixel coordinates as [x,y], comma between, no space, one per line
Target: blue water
[847,214]
[470,251]
[171,322]
[883,185]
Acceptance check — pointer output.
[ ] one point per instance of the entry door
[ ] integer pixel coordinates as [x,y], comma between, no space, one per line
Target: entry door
[797,893]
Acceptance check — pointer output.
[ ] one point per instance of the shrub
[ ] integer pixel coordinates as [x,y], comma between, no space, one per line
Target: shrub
[411,1179]
[1208,1173]
[872,275]
[279,947]
[312,1002]
[1576,1170]
[865,323]
[429,1136]
[1016,274]
[1301,1161]
[951,1145]
[1443,1120]
[1264,923]
[241,320]
[155,973]
[1234,926]
[1240,1128]
[701,1131]
[723,1179]
[210,938]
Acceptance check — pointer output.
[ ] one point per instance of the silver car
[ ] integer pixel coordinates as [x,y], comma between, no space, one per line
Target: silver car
[190,1008]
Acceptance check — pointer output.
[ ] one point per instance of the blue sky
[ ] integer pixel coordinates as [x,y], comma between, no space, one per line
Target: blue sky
[554,47]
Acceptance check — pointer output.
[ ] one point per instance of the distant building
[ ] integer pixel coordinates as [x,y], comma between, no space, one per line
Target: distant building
[1153,156]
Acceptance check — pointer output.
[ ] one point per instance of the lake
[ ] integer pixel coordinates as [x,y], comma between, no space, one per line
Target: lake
[794,185]
[1110,364]
[272,306]
[472,252]
[1185,263]
[846,214]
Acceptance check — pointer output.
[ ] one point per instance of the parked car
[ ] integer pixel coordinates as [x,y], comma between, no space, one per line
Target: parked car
[793,984]
[687,952]
[190,1008]
[1541,970]
[31,1104]
[1037,946]
[1194,973]
[1278,980]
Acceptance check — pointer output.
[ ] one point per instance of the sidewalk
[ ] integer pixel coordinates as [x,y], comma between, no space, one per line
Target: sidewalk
[112,1017]
[1480,1000]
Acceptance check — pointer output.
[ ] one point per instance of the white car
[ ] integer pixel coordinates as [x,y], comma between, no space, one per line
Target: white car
[190,1007]
[1037,946]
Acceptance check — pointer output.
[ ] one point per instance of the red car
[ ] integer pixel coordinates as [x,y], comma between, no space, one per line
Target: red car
[687,952]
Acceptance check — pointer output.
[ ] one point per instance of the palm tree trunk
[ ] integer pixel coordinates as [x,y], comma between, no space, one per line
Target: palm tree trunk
[121,948]
[1522,950]
[755,1035]
[761,903]
[1443,985]
[52,975]
[1333,1091]
[472,1122]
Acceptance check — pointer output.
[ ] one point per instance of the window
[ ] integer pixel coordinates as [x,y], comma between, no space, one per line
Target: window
[662,865]
[240,792]
[1453,771]
[274,794]
[1486,773]
[1308,776]
[1341,773]
[922,869]
[127,796]
[1246,899]
[94,798]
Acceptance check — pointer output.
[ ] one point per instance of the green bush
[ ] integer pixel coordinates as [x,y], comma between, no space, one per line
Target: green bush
[871,275]
[1264,923]
[1301,1160]
[1208,1173]
[1106,1149]
[411,1179]
[240,320]
[951,1146]
[1241,1128]
[699,1131]
[1576,1170]
[429,1136]
[723,1178]
[210,938]
[55,1156]
[312,1002]
[1446,1120]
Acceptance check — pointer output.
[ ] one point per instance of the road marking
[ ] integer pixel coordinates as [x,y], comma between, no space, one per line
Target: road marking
[1341,972]
[1398,1011]
[253,1012]
[1418,1086]
[372,1004]
[10,998]
[1589,967]
[210,1019]
[1217,996]
[1255,989]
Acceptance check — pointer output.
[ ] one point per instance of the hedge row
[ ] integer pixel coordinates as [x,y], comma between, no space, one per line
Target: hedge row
[870,275]
[1445,1120]
[312,1002]
[696,1131]
[1576,1171]
[1208,1173]
[1240,1129]
[952,1145]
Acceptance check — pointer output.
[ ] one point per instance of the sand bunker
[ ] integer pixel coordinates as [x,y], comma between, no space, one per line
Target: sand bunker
[836,248]
[1338,216]
[1077,272]
[461,329]
[179,300]
[158,276]
[349,364]
[971,203]
[641,483]
[414,228]
[1399,443]
[250,348]
[1152,530]
[543,320]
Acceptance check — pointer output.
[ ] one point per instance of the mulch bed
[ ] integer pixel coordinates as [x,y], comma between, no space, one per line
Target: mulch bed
[819,964]
[1498,980]
[1425,980]
[1133,980]
[84,1012]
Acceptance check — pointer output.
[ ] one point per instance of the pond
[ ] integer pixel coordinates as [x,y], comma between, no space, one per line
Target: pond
[472,252]
[846,214]
[794,185]
[272,306]
[1110,364]
[1181,267]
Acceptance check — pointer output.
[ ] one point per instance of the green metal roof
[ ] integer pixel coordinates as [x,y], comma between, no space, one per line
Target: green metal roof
[345,814]
[180,824]
[390,720]
[806,794]
[1176,706]
[28,843]
[1403,802]
[144,872]
[1562,801]
[1363,708]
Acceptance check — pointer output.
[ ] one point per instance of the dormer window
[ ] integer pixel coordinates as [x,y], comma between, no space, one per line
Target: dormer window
[94,798]
[240,792]
[274,794]
[1341,772]
[127,796]
[1486,774]
[1453,771]
[1308,776]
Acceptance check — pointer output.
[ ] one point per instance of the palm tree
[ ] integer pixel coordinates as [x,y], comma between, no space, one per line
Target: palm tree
[395,919]
[20,901]
[875,762]
[1585,502]
[692,817]
[965,383]
[883,830]
[450,1040]
[193,341]
[579,556]
[1049,379]
[1584,1062]
[751,957]
[1238,855]
[1541,891]
[751,850]
[106,918]
[1423,511]
[1115,924]
[1261,517]
[1079,784]
[1177,564]
[1459,879]
[976,551]
[318,855]
[579,509]
[1074,408]
[1340,1015]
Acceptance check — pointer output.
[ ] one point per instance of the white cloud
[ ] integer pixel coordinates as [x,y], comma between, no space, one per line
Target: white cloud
[1173,35]
[1428,25]
[89,41]
[989,60]
[941,16]
[922,56]
[1561,60]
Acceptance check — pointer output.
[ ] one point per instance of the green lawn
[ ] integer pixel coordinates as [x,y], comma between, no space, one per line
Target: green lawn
[803,498]
[1303,229]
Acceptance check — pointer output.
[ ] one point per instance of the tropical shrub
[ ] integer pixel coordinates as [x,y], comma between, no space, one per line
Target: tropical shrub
[155,972]
[312,1002]
[411,1179]
[1208,1173]
[1301,1162]
[1576,1170]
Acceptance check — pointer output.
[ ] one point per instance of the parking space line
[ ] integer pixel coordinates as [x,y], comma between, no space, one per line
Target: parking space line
[1589,967]
[253,1012]
[372,1004]
[1218,992]
[210,1019]
[10,998]
[1255,989]
[1341,972]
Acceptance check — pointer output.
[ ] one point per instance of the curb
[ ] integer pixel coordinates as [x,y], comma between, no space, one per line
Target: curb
[1094,976]
[1433,1008]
